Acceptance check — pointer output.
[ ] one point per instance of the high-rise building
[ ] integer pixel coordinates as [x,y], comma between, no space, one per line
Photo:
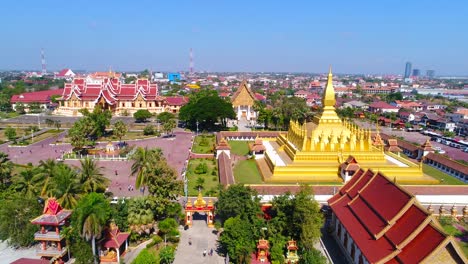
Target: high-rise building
[408,70]
[416,73]
[430,74]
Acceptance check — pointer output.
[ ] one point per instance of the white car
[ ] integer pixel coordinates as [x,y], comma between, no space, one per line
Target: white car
[115,200]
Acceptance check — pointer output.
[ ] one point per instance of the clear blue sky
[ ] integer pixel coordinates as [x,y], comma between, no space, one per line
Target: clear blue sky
[239,35]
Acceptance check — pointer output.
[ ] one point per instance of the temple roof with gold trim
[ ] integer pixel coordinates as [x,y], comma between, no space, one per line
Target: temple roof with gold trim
[243,95]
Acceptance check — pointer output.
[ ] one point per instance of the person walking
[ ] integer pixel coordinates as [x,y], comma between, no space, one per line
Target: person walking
[204,253]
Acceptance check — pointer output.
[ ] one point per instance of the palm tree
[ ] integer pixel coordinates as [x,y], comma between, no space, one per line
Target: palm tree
[91,178]
[27,182]
[144,161]
[6,166]
[48,171]
[140,216]
[169,126]
[90,216]
[65,186]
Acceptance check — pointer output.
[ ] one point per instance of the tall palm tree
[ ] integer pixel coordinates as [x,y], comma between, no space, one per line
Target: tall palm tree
[144,161]
[140,216]
[27,182]
[65,186]
[91,178]
[91,215]
[6,166]
[48,171]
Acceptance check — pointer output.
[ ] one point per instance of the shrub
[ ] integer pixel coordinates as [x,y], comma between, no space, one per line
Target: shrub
[214,173]
[145,257]
[202,168]
[166,225]
[148,130]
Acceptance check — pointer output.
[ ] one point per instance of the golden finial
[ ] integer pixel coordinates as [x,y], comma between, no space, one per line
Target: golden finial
[329,93]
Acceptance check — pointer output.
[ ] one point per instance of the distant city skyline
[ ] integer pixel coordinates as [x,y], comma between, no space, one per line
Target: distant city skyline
[364,37]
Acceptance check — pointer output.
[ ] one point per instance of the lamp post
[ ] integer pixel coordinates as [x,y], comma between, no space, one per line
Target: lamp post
[197,127]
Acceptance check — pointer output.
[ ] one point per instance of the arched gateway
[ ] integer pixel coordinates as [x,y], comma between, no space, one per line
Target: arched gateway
[199,206]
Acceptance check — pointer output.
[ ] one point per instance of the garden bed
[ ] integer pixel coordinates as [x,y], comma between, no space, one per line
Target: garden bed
[246,171]
[204,144]
[210,176]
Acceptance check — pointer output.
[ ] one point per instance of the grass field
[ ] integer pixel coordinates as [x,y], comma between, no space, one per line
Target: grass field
[204,144]
[246,172]
[211,181]
[444,178]
[240,148]
[447,224]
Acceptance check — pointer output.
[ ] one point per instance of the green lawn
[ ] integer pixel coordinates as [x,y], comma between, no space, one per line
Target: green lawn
[246,172]
[211,181]
[447,224]
[443,177]
[240,148]
[204,144]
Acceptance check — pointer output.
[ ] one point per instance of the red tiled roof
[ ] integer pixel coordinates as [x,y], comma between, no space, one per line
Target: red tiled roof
[447,162]
[225,169]
[382,105]
[177,100]
[53,214]
[111,89]
[39,97]
[385,221]
[30,261]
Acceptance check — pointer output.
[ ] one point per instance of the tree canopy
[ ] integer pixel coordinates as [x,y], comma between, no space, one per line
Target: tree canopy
[206,108]
[142,115]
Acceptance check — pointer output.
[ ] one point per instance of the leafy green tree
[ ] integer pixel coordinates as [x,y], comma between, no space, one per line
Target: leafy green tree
[91,177]
[119,214]
[306,218]
[196,110]
[165,116]
[294,108]
[6,167]
[90,216]
[10,133]
[148,130]
[16,213]
[82,252]
[238,200]
[79,133]
[167,255]
[98,119]
[141,115]
[120,129]
[167,225]
[169,126]
[237,239]
[146,257]
[164,187]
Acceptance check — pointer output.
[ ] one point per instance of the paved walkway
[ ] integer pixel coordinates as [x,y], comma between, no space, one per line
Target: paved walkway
[202,238]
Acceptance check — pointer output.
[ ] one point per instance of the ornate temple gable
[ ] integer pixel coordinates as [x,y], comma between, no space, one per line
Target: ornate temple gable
[243,95]
[108,97]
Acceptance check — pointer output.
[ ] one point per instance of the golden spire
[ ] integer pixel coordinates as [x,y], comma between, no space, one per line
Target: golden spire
[199,202]
[329,94]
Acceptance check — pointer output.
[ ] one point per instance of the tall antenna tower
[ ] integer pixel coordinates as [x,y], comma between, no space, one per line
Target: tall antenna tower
[44,69]
[191,63]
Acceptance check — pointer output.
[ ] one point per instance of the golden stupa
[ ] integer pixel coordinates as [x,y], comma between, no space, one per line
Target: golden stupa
[313,152]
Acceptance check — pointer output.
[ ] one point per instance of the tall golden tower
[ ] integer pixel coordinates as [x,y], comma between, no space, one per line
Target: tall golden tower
[314,151]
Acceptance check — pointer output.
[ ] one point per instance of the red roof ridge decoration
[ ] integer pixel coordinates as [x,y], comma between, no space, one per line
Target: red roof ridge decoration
[387,223]
[223,145]
[52,207]
[427,146]
[52,214]
[114,238]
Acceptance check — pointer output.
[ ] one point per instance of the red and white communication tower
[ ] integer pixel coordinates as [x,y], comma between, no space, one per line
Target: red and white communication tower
[191,63]
[44,69]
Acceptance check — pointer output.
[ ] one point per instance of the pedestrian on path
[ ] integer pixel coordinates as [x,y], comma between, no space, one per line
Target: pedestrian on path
[204,253]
